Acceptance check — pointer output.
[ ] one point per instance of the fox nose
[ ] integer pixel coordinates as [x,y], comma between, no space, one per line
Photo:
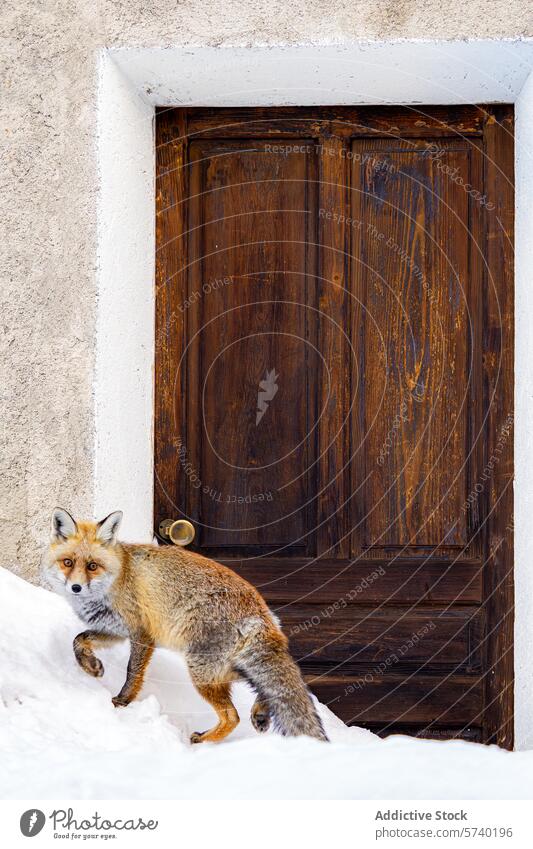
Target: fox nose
[76,588]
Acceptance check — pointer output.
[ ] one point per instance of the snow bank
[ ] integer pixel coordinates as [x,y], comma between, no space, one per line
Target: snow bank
[61,737]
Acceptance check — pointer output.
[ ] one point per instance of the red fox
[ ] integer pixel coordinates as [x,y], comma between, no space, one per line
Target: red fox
[165,596]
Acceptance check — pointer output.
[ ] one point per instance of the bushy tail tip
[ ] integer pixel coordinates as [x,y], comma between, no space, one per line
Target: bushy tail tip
[279,685]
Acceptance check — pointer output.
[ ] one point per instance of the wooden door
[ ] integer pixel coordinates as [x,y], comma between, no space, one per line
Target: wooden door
[334,392]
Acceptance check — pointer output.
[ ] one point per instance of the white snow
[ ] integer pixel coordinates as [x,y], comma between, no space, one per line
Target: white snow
[61,737]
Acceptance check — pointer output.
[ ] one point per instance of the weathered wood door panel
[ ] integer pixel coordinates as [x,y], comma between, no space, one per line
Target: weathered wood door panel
[255,325]
[417,275]
[334,392]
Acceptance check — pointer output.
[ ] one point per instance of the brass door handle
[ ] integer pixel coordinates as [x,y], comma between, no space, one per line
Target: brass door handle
[179,531]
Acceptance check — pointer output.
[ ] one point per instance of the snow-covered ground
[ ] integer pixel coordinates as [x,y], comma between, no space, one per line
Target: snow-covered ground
[60,736]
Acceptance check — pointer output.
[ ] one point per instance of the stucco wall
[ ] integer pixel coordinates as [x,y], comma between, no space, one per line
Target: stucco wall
[49,202]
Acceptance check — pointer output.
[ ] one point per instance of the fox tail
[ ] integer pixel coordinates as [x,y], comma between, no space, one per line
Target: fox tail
[266,664]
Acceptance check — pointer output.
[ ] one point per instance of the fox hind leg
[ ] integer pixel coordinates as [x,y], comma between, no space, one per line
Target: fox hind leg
[260,716]
[218,696]
[83,646]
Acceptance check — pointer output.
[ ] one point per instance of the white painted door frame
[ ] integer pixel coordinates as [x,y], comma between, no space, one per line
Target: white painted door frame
[131,83]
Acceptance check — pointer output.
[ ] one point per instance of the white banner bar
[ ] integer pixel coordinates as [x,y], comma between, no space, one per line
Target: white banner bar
[267,824]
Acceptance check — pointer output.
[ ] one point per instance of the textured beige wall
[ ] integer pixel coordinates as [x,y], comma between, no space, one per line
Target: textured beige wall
[48,198]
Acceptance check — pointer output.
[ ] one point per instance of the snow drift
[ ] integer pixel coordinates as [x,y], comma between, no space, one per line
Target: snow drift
[61,737]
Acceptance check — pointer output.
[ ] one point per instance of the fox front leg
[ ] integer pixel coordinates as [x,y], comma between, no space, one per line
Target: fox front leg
[83,646]
[141,651]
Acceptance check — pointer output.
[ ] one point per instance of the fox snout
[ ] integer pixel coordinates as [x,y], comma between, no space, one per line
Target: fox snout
[75,583]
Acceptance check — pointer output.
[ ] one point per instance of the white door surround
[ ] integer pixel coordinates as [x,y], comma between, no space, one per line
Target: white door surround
[131,83]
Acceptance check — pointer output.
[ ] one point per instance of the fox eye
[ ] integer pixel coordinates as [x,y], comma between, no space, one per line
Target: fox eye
[92,567]
[67,563]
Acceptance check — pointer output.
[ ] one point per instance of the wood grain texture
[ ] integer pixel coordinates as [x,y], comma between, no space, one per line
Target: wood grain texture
[498,353]
[402,699]
[170,488]
[335,498]
[364,254]
[252,309]
[357,638]
[418,387]
[397,581]
[349,121]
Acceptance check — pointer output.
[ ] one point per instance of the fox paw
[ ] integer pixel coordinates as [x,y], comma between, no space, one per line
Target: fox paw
[260,721]
[120,701]
[92,665]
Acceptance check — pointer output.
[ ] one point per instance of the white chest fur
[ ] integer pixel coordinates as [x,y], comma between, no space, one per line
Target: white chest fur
[99,615]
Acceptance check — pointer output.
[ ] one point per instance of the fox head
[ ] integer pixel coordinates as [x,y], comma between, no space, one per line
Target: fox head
[80,560]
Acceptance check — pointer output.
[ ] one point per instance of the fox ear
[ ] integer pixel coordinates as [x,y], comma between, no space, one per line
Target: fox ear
[63,525]
[107,529]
